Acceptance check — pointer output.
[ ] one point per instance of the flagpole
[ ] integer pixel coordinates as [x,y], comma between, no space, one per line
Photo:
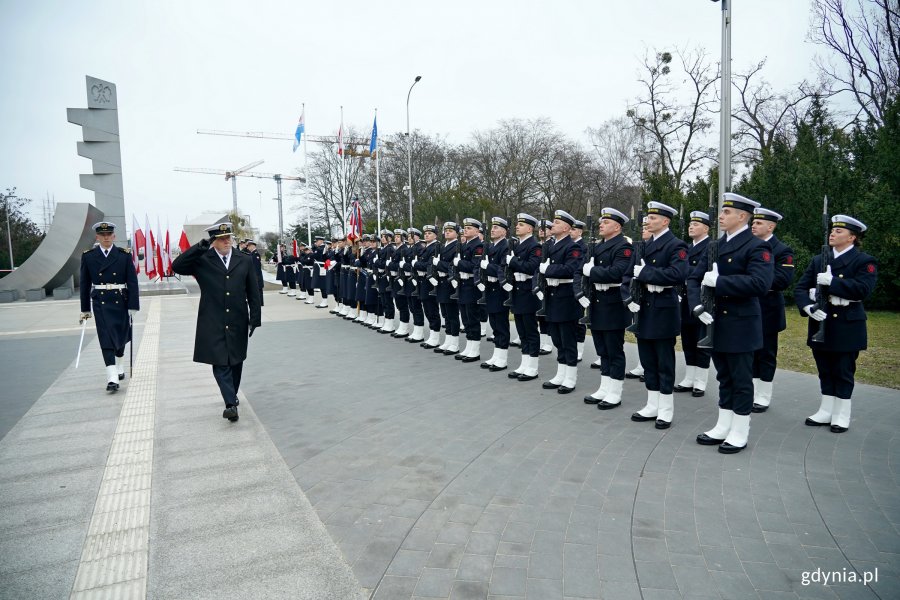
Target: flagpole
[377,173]
[343,176]
[306,183]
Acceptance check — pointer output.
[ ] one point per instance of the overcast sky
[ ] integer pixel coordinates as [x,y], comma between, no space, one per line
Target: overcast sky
[188,65]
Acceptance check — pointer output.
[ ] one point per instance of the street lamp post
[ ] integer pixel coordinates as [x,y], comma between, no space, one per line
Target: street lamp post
[409,151]
[725,115]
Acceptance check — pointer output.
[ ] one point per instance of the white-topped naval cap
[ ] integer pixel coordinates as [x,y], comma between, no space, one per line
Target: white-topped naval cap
[848,222]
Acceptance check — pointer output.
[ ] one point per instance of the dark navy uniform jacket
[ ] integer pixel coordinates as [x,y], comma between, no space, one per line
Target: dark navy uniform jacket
[495,294]
[412,253]
[257,262]
[854,276]
[422,264]
[446,256]
[229,304]
[665,264]
[393,267]
[612,260]
[528,255]
[696,256]
[110,306]
[566,258]
[385,254]
[745,275]
[772,304]
[472,252]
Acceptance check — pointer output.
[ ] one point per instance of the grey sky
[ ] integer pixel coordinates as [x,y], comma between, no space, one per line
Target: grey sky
[180,66]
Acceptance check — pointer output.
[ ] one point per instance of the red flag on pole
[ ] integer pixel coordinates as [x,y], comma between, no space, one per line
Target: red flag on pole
[167,255]
[149,249]
[183,243]
[294,249]
[137,244]
[160,259]
[341,141]
[356,225]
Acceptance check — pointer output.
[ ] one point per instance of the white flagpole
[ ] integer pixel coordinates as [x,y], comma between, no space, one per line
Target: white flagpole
[343,176]
[377,175]
[306,183]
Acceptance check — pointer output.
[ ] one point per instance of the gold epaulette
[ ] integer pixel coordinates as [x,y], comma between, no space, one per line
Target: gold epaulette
[128,250]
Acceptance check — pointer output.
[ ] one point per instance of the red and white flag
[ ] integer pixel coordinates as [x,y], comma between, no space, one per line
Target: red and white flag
[160,260]
[183,243]
[149,261]
[294,250]
[341,141]
[137,244]
[356,225]
[167,255]
[279,253]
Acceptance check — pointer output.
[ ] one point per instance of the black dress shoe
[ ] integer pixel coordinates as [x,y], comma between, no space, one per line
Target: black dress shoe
[490,338]
[591,400]
[398,335]
[564,390]
[639,418]
[595,366]
[449,352]
[812,423]
[726,448]
[495,368]
[705,440]
[523,377]
[630,375]
[458,357]
[438,350]
[544,352]
[838,429]
[604,405]
[660,424]
[698,393]
[549,385]
[683,388]
[381,331]
[112,386]
[485,365]
[230,413]
[515,344]
[121,376]
[469,359]
[758,408]
[427,346]
[513,375]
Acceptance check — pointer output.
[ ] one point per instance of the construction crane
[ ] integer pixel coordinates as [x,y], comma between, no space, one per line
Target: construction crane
[349,143]
[243,172]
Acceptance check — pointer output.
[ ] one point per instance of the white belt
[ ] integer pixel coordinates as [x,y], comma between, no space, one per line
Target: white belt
[557,282]
[602,287]
[109,286]
[657,289]
[838,301]
[420,273]
[394,273]
[465,275]
[492,279]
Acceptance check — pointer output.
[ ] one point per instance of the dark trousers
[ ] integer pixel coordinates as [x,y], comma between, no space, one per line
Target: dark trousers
[580,332]
[690,335]
[470,314]
[529,338]
[735,375]
[110,354]
[658,360]
[418,315]
[563,335]
[765,360]
[500,326]
[836,372]
[229,379]
[610,347]
[430,307]
[450,310]
[388,301]
[542,325]
[402,307]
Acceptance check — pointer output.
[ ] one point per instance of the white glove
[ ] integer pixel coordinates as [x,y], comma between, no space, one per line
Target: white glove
[709,280]
[705,318]
[825,278]
[84,317]
[586,269]
[838,301]
[510,256]
[543,267]
[454,283]
[507,287]
[133,311]
[812,294]
[480,287]
[413,281]
[484,263]
[402,263]
[655,289]
[540,295]
[817,314]
[433,281]
[400,281]
[584,301]
[455,261]
[637,270]
[435,260]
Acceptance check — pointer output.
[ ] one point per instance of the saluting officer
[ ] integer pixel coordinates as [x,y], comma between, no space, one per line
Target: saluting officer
[228,312]
[662,267]
[492,272]
[696,373]
[415,304]
[423,266]
[469,309]
[765,360]
[442,263]
[739,278]
[524,261]
[560,267]
[109,285]
[848,280]
[577,235]
[609,316]
[257,263]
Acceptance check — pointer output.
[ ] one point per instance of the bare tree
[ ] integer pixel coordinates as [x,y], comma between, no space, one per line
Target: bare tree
[563,177]
[762,113]
[676,118]
[865,41]
[617,161]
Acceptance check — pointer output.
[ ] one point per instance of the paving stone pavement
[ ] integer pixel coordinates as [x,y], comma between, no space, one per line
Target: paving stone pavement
[363,465]
[438,479]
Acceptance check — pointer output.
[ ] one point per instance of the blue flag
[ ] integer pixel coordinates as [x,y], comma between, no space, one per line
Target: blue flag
[301,127]
[373,143]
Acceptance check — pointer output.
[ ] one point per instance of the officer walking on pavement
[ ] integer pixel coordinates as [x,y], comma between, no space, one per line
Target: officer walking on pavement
[109,286]
[229,309]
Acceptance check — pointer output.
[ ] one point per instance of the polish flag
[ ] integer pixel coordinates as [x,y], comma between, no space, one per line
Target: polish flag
[294,249]
[160,261]
[149,245]
[137,244]
[183,243]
